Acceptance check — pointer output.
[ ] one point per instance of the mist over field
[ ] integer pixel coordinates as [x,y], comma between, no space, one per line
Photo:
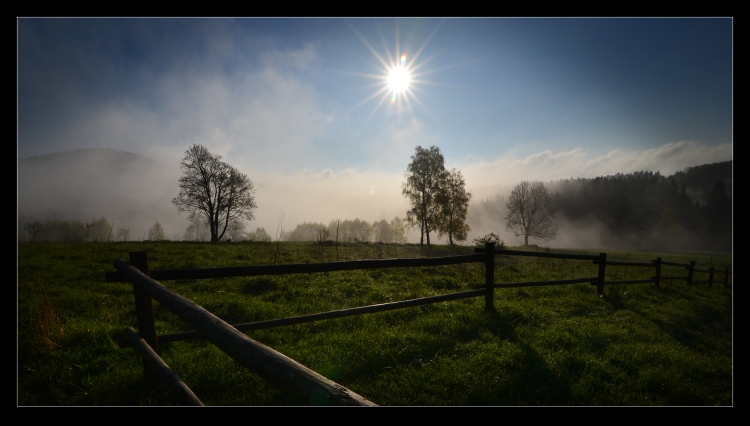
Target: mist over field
[133,192]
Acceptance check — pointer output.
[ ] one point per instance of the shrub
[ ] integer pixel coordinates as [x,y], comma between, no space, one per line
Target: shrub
[489,238]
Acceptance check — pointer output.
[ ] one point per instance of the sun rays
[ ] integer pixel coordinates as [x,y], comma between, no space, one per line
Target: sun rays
[399,77]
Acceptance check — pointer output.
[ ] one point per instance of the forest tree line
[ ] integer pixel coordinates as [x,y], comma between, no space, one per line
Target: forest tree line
[645,210]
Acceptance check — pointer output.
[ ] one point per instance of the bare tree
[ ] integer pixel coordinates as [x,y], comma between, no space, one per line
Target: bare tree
[322,235]
[86,231]
[530,212]
[123,234]
[33,229]
[424,179]
[100,229]
[214,190]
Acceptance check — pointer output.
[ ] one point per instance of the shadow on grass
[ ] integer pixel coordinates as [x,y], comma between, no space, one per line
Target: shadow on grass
[696,325]
[469,354]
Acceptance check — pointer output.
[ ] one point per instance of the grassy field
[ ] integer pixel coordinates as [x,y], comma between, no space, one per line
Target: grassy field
[561,345]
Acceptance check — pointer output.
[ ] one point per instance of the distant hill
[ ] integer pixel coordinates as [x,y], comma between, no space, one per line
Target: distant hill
[87,184]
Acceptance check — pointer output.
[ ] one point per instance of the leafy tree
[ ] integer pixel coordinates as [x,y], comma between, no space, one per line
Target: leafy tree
[624,228]
[718,215]
[305,231]
[197,230]
[454,206]
[351,230]
[100,229]
[259,234]
[424,179]
[530,212]
[669,225]
[381,232]
[156,233]
[236,230]
[398,231]
[214,190]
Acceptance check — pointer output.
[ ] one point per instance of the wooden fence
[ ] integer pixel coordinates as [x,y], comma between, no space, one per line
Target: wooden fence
[283,371]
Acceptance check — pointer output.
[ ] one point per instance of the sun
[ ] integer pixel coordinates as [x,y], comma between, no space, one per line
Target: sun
[399,78]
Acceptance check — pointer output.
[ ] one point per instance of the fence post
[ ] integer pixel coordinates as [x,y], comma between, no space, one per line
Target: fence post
[657,263]
[690,272]
[602,266]
[710,277]
[489,276]
[144,311]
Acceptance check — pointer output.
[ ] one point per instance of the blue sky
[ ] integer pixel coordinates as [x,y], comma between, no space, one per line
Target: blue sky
[289,101]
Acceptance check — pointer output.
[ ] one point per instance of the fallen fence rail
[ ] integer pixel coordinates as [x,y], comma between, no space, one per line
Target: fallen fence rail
[173,381]
[272,366]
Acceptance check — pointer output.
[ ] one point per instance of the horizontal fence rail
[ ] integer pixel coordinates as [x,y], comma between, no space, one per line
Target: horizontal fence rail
[621,263]
[193,334]
[298,268]
[627,282]
[540,254]
[684,265]
[267,363]
[542,283]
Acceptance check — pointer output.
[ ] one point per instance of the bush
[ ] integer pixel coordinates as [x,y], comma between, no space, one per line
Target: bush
[489,238]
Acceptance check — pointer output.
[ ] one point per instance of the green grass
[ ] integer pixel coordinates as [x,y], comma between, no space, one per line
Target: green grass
[560,345]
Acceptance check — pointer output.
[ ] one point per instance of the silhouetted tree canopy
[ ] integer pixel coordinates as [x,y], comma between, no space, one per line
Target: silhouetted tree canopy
[454,206]
[214,190]
[424,179]
[530,212]
[690,209]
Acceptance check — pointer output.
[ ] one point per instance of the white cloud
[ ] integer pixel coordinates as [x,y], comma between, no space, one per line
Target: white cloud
[265,119]
[667,159]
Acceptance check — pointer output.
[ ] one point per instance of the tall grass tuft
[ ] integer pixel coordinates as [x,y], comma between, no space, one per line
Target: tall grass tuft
[45,322]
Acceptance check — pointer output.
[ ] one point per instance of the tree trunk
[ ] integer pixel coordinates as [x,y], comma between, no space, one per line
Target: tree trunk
[450,231]
[421,232]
